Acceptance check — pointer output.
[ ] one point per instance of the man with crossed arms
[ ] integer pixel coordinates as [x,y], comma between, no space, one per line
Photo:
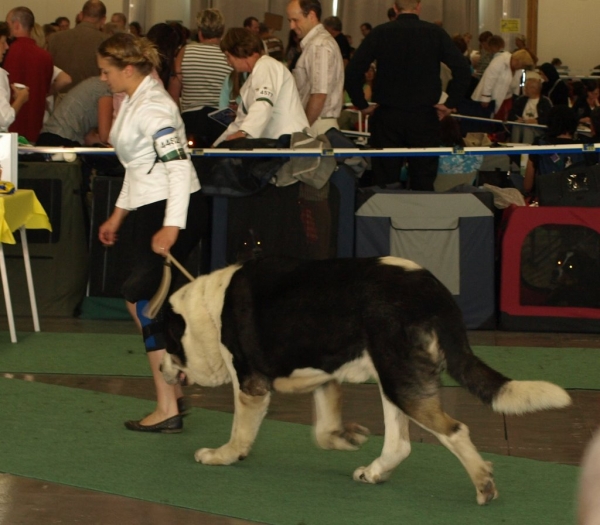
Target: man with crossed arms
[319,73]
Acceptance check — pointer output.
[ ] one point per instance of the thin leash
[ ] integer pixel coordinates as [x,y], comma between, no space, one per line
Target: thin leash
[180,267]
[155,304]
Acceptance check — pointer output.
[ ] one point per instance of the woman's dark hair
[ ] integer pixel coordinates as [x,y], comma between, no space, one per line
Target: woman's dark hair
[589,85]
[168,42]
[550,71]
[460,42]
[562,120]
[496,42]
[4,29]
[485,36]
[248,21]
[137,26]
[293,42]
[241,43]
[184,32]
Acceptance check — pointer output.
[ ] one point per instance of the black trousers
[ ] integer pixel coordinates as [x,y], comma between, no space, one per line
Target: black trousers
[393,127]
[147,270]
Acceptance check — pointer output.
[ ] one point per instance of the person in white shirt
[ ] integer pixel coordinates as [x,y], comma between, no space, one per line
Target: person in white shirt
[8,110]
[501,80]
[270,105]
[160,195]
[319,72]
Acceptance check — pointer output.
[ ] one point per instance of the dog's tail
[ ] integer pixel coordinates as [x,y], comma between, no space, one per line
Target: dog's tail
[503,394]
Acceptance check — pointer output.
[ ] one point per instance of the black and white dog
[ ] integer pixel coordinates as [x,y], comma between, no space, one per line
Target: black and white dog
[306,326]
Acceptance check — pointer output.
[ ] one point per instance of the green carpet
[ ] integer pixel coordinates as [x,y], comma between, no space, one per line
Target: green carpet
[75,437]
[74,353]
[123,355]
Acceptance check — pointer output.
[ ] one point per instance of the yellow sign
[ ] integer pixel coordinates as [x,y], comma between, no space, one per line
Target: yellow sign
[510,25]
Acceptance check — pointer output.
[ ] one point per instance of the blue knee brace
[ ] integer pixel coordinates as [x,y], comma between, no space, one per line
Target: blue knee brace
[152,329]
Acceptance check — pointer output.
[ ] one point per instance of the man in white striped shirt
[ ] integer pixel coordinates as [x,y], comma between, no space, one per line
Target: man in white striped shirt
[319,73]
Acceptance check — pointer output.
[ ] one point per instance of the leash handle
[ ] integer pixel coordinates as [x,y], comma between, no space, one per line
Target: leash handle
[179,266]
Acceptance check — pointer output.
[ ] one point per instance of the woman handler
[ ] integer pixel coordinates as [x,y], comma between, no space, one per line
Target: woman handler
[160,194]
[270,105]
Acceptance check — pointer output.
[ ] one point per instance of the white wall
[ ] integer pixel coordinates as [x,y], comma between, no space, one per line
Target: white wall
[154,11]
[569,30]
[566,29]
[163,10]
[46,11]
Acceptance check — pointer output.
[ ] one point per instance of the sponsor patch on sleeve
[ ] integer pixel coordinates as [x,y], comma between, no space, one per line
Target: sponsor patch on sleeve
[168,146]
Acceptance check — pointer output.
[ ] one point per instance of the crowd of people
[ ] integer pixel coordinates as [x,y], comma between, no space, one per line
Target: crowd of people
[101,84]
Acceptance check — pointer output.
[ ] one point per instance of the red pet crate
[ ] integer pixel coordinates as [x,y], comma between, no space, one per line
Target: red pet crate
[550,278]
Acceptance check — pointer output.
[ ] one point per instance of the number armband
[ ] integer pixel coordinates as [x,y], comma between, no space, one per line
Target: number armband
[167,145]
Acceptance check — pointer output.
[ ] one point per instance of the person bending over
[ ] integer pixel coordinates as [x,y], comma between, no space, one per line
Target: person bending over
[270,104]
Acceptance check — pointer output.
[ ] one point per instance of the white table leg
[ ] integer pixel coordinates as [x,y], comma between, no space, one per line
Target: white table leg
[32,301]
[7,301]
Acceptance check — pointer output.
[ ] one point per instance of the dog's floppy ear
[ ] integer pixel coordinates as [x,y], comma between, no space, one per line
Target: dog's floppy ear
[177,299]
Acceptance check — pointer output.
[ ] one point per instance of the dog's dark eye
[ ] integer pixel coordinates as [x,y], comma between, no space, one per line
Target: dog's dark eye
[176,360]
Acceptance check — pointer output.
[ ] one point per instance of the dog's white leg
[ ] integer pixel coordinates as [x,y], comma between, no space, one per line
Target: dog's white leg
[330,432]
[454,435]
[249,411]
[247,418]
[479,471]
[396,445]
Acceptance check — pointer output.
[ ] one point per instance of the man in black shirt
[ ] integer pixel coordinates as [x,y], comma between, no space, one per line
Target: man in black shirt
[334,26]
[407,90]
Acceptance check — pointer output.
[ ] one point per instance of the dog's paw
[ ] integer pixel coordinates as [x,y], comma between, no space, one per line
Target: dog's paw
[369,475]
[350,438]
[486,488]
[225,455]
[355,434]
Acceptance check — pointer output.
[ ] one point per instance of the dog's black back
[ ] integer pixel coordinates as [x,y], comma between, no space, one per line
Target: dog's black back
[283,315]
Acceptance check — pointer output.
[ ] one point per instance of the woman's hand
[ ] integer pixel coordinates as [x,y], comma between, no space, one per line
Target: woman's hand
[164,239]
[237,135]
[20,94]
[107,233]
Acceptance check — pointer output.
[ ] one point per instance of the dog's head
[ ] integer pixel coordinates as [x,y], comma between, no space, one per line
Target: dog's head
[193,332]
[574,268]
[250,248]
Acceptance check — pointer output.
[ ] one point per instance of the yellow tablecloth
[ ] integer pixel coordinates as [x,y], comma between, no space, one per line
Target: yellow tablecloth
[21,209]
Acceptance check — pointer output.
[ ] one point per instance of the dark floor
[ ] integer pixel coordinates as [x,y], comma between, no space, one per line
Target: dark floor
[557,436]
